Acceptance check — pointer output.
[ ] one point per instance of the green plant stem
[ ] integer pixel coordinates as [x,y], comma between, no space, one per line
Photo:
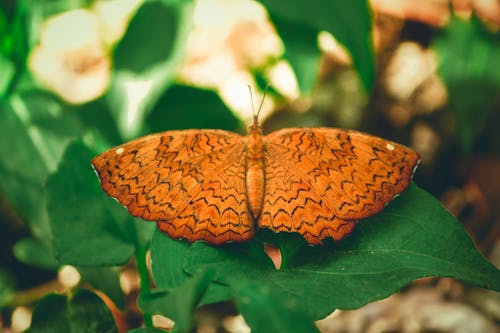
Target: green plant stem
[144,278]
[33,295]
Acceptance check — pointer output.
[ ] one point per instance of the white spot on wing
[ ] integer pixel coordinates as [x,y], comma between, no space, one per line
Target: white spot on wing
[390,146]
[119,151]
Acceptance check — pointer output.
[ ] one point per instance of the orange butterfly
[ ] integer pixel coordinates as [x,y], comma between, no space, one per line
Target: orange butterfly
[219,186]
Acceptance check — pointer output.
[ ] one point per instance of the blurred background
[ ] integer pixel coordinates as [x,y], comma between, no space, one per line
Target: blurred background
[423,73]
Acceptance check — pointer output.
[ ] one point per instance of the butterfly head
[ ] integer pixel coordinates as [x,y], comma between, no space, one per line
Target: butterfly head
[255,127]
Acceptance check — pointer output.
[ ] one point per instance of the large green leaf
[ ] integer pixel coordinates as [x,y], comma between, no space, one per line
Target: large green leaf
[348,21]
[180,303]
[83,312]
[268,312]
[167,261]
[88,227]
[146,61]
[413,237]
[34,131]
[41,130]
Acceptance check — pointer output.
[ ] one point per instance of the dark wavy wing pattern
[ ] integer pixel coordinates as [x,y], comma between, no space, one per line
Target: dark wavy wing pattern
[192,182]
[320,180]
[291,204]
[218,212]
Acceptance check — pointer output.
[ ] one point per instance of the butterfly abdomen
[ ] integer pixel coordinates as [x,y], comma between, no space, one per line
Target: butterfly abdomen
[255,170]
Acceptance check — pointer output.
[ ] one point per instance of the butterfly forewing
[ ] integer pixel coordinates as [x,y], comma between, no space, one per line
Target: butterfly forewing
[165,177]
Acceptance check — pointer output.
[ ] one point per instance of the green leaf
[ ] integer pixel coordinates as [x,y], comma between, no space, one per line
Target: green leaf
[107,280]
[189,107]
[33,252]
[50,315]
[167,259]
[301,51]
[147,60]
[41,130]
[413,237]
[88,227]
[84,312]
[97,117]
[180,303]
[473,78]
[268,312]
[349,22]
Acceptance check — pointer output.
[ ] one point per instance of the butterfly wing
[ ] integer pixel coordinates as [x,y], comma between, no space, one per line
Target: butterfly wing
[328,178]
[191,182]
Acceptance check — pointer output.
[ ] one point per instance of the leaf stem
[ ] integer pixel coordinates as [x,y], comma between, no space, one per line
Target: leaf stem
[143,271]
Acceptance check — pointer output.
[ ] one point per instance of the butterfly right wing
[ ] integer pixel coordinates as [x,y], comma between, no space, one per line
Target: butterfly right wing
[327,178]
[191,182]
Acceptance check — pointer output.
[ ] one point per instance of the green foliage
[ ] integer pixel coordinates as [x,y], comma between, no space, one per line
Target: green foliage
[7,69]
[469,62]
[147,60]
[147,330]
[204,110]
[82,312]
[47,179]
[34,252]
[413,237]
[41,130]
[7,287]
[180,302]
[299,22]
[258,303]
[98,232]
[105,279]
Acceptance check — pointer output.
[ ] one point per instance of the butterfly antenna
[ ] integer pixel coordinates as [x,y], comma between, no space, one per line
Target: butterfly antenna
[255,116]
[262,100]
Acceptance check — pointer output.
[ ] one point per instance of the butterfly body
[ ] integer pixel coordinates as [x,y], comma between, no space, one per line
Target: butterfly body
[255,169]
[219,187]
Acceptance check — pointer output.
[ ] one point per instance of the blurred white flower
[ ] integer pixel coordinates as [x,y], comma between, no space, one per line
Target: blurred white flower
[72,58]
[114,16]
[228,40]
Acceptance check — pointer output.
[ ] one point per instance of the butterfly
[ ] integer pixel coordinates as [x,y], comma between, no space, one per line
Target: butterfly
[218,186]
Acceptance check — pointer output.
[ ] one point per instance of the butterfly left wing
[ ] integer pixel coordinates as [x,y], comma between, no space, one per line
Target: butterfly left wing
[191,182]
[217,211]
[328,178]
